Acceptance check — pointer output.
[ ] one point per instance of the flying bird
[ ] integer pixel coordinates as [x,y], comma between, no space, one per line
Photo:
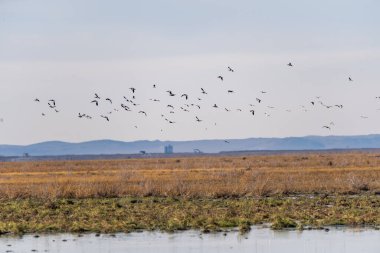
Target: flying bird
[198,120]
[203,91]
[350,79]
[95,101]
[142,112]
[258,100]
[105,117]
[36,100]
[132,89]
[290,64]
[221,78]
[230,69]
[170,93]
[125,107]
[96,96]
[185,95]
[108,99]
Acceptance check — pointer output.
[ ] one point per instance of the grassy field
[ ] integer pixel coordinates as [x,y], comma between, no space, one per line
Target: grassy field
[255,176]
[207,193]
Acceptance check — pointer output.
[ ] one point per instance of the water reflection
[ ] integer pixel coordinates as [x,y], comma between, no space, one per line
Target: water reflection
[258,240]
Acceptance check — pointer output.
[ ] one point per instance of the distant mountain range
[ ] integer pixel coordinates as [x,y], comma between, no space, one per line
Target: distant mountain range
[106,147]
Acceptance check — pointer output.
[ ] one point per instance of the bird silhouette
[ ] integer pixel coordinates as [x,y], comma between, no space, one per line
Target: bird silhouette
[170,93]
[95,101]
[36,100]
[198,120]
[108,99]
[258,100]
[221,78]
[230,69]
[51,103]
[142,112]
[105,117]
[132,89]
[185,95]
[125,107]
[203,91]
[96,96]
[253,112]
[290,64]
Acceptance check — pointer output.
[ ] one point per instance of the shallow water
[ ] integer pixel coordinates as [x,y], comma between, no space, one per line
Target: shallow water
[258,240]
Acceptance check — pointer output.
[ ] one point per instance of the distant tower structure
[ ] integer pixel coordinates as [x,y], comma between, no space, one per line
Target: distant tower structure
[169,149]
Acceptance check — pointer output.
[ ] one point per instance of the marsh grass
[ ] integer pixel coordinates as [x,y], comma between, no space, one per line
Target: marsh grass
[110,215]
[194,177]
[207,193]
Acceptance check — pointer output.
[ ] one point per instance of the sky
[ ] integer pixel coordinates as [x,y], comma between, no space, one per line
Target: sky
[68,50]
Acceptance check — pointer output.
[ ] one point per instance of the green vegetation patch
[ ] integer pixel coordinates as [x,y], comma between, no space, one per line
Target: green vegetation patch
[110,215]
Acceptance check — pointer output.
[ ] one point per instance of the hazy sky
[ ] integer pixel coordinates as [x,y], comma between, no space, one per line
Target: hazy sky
[69,49]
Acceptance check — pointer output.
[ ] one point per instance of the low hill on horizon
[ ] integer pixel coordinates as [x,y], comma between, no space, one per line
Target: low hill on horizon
[98,147]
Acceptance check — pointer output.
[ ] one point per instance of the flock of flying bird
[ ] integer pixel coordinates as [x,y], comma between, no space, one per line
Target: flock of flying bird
[130,104]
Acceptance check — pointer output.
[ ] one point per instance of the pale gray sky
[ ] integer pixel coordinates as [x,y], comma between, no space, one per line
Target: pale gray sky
[70,49]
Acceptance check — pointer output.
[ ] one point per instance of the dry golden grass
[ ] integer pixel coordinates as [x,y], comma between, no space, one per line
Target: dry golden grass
[214,176]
